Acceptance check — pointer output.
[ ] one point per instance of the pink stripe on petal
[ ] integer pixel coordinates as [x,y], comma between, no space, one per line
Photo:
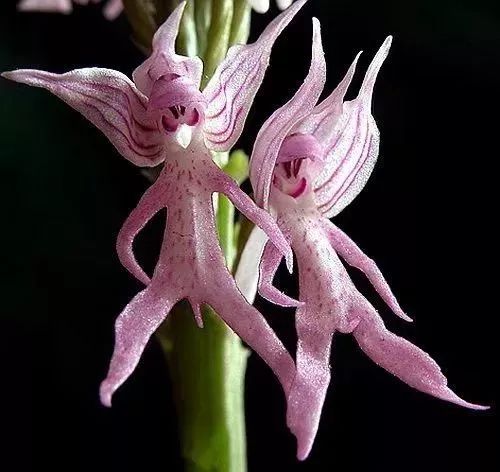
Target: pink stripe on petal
[164,59]
[279,125]
[110,101]
[49,6]
[232,88]
[347,170]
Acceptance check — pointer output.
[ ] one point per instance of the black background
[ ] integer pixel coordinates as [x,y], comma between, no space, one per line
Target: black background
[428,216]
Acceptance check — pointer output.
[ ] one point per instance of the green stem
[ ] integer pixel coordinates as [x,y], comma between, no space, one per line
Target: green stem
[218,36]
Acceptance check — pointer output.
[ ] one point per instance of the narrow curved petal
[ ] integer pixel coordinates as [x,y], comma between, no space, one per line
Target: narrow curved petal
[246,275]
[153,200]
[110,101]
[133,328]
[281,122]
[232,88]
[269,264]
[355,257]
[402,358]
[352,149]
[164,59]
[324,116]
[50,6]
[222,183]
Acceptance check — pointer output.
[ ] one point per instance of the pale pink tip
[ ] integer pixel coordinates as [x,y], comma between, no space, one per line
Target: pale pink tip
[450,396]
[106,393]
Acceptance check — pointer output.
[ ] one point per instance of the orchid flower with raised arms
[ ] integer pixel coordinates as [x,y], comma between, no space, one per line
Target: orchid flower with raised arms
[150,121]
[308,163]
[112,8]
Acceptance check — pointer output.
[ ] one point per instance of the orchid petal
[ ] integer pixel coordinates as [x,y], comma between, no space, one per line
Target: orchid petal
[270,262]
[247,272]
[278,126]
[153,200]
[323,118]
[353,255]
[232,88]
[253,329]
[57,6]
[403,359]
[352,150]
[164,60]
[222,183]
[110,101]
[308,392]
[133,328]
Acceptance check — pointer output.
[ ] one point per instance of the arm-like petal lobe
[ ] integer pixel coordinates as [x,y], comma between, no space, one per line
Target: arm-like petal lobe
[164,59]
[352,148]
[355,257]
[222,183]
[278,126]
[110,101]
[232,88]
[402,358]
[153,200]
[260,6]
[269,264]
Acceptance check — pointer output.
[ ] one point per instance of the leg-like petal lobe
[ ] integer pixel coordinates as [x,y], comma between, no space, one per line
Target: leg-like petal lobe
[232,88]
[135,325]
[269,264]
[308,392]
[355,257]
[247,322]
[351,150]
[110,101]
[402,358]
[222,183]
[279,125]
[56,6]
[153,200]
[164,59]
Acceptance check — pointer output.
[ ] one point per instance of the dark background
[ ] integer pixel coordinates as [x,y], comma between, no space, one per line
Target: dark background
[428,216]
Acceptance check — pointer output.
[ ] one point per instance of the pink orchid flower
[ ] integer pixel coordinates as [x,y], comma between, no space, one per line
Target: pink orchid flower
[150,121]
[111,10]
[262,6]
[309,162]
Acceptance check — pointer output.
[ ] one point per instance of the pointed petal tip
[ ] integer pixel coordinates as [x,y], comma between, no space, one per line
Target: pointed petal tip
[105,394]
[450,396]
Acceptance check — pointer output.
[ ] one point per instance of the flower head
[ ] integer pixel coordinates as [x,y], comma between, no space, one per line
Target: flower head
[112,9]
[163,117]
[309,162]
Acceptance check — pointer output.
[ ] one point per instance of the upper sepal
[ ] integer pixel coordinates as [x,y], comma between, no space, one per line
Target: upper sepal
[274,131]
[110,101]
[164,60]
[232,88]
[351,149]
